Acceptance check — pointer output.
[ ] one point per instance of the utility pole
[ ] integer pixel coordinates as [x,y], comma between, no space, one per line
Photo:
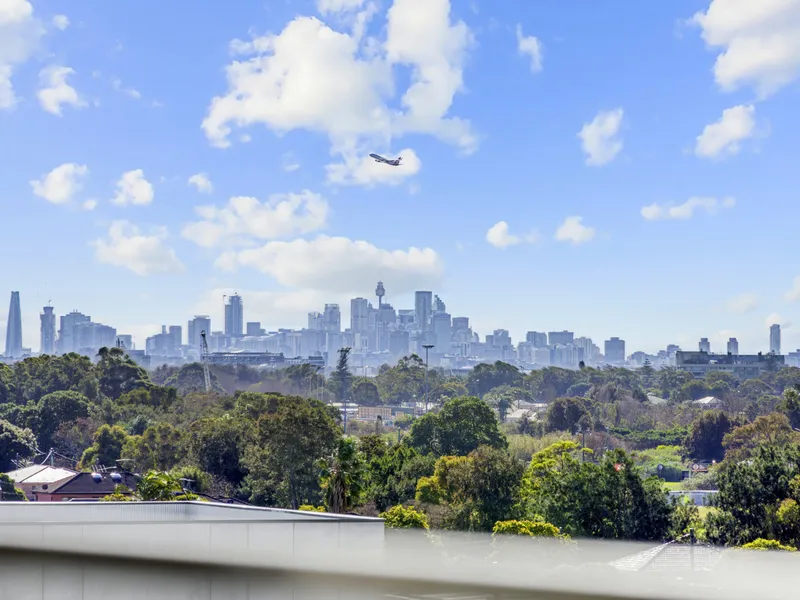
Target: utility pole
[427,348]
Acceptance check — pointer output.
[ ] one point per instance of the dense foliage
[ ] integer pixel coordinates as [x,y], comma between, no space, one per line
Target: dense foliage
[590,459]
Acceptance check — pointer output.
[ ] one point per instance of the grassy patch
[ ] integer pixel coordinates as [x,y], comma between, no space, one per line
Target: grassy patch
[673,486]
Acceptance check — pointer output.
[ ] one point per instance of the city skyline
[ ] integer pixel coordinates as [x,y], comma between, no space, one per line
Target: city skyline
[236,323]
[629,209]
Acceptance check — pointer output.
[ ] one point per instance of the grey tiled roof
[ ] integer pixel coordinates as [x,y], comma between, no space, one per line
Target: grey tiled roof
[671,557]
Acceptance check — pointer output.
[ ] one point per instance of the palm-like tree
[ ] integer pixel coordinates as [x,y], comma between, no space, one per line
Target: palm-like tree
[342,477]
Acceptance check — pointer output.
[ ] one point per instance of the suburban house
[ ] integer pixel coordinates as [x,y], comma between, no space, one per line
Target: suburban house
[85,486]
[38,477]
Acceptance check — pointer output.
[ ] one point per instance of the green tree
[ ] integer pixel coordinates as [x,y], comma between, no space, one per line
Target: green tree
[750,494]
[118,373]
[706,433]
[457,429]
[15,443]
[106,447]
[365,392]
[566,414]
[343,477]
[216,445]
[394,472]
[289,442]
[158,486]
[774,429]
[485,377]
[608,499]
[58,408]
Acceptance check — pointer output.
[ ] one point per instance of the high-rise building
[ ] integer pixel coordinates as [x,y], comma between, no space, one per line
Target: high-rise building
[733,346]
[423,307]
[438,305]
[14,328]
[442,331]
[560,338]
[332,318]
[615,351]
[537,338]
[68,335]
[705,345]
[234,316]
[47,343]
[253,329]
[315,321]
[196,325]
[359,315]
[775,338]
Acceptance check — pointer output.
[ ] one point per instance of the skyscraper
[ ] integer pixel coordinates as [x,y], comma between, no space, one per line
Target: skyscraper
[733,346]
[196,325]
[359,315]
[704,345]
[234,316]
[423,307]
[47,343]
[615,351]
[775,338]
[14,328]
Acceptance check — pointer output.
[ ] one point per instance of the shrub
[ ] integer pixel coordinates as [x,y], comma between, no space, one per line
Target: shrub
[762,544]
[529,528]
[310,508]
[404,517]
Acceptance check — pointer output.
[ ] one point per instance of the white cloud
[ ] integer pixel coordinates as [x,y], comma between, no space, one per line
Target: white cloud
[61,22]
[574,231]
[777,319]
[118,87]
[725,135]
[245,219]
[340,265]
[289,163]
[201,182]
[90,204]
[743,303]
[759,42]
[20,34]
[600,138]
[61,184]
[793,295]
[54,91]
[338,6]
[133,188]
[312,77]
[363,170]
[657,212]
[499,236]
[530,46]
[127,247]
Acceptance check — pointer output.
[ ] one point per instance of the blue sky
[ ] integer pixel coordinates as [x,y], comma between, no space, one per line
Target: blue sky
[659,139]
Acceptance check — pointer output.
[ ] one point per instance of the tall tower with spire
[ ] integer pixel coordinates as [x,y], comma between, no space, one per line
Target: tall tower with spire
[380,292]
[14,328]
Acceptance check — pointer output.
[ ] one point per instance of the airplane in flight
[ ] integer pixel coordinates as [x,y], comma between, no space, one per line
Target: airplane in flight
[380,159]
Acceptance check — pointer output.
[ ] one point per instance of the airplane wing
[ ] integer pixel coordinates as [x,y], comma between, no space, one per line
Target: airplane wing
[378,157]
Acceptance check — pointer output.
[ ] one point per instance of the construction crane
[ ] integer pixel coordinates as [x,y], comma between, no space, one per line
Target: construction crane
[204,360]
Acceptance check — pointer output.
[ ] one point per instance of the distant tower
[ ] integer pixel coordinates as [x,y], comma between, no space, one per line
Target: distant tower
[234,317]
[705,345]
[48,331]
[14,328]
[775,338]
[380,292]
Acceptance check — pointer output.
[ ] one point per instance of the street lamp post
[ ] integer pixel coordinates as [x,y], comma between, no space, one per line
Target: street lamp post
[427,348]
